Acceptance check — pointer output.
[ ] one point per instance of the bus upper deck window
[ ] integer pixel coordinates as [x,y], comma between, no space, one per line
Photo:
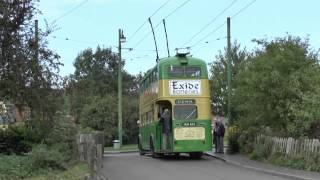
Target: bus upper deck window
[175,71]
[193,71]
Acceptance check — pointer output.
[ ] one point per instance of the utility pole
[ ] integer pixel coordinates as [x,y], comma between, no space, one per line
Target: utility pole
[229,68]
[121,39]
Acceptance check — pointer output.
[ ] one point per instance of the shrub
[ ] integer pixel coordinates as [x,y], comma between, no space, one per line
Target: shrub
[233,136]
[14,140]
[44,157]
[260,152]
[247,139]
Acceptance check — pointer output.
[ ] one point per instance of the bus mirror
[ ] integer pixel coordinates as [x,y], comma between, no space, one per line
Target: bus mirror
[138,122]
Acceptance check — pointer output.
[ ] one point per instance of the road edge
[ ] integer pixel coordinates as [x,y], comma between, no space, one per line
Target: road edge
[270,172]
[119,152]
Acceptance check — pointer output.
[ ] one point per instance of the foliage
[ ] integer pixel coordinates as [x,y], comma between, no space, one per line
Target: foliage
[62,137]
[24,79]
[18,167]
[14,167]
[263,152]
[218,78]
[92,89]
[44,157]
[14,140]
[262,149]
[279,88]
[233,136]
[76,172]
[299,162]
[100,115]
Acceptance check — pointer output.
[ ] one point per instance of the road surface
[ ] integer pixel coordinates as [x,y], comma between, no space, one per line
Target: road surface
[131,166]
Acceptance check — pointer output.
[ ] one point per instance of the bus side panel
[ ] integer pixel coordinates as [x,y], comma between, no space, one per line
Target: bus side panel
[148,131]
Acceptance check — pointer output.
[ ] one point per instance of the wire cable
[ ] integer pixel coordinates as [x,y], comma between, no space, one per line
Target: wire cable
[209,34]
[77,41]
[211,21]
[140,27]
[172,12]
[219,27]
[70,11]
[243,9]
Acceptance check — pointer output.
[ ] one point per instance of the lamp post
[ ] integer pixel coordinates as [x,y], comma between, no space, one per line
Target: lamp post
[122,39]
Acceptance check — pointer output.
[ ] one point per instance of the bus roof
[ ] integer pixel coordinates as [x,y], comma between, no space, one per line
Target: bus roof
[178,60]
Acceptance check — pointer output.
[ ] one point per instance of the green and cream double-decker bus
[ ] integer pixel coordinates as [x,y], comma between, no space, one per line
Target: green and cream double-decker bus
[179,84]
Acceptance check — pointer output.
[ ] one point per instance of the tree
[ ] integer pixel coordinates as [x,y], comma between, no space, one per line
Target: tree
[25,79]
[92,92]
[279,88]
[218,78]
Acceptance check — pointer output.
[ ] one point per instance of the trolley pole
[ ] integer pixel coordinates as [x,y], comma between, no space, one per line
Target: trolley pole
[120,90]
[229,68]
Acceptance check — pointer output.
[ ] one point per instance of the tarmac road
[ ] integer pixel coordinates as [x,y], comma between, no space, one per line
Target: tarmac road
[131,166]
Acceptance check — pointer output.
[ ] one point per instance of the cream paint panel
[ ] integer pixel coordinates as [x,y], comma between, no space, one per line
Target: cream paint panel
[189,133]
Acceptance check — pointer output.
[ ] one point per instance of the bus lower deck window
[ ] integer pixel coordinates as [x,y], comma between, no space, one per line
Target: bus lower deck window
[185,112]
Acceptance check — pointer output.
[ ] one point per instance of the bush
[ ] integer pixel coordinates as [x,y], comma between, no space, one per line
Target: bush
[260,152]
[299,162]
[14,140]
[14,167]
[233,136]
[44,157]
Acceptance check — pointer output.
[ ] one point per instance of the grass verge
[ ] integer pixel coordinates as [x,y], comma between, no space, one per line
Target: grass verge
[20,167]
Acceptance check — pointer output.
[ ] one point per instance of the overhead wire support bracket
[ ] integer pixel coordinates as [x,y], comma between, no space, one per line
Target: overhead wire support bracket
[154,37]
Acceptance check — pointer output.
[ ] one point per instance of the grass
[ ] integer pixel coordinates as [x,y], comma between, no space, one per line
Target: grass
[75,172]
[20,167]
[123,148]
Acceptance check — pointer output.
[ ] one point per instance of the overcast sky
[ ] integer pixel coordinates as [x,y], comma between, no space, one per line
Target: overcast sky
[89,23]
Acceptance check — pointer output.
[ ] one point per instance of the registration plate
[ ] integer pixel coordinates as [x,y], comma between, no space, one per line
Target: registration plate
[189,124]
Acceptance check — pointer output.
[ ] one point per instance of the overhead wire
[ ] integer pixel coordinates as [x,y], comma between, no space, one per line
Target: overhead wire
[74,40]
[244,8]
[225,22]
[210,22]
[70,11]
[155,12]
[172,12]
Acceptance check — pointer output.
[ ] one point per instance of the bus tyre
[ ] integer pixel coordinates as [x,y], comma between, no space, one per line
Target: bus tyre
[196,155]
[141,151]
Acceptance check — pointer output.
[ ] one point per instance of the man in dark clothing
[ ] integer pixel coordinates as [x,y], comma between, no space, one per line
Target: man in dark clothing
[220,136]
[165,119]
[215,136]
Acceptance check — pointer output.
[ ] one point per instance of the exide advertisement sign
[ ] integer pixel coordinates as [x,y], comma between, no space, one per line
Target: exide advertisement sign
[184,87]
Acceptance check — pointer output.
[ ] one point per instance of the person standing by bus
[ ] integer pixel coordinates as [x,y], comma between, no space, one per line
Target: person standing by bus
[165,119]
[220,136]
[215,135]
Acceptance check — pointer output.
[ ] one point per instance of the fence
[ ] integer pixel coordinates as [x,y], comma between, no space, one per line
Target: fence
[291,147]
[90,150]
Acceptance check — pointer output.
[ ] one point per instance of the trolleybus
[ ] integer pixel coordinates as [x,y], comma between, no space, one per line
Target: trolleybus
[179,84]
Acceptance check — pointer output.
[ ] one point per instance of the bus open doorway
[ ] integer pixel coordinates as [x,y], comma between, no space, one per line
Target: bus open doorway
[165,126]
